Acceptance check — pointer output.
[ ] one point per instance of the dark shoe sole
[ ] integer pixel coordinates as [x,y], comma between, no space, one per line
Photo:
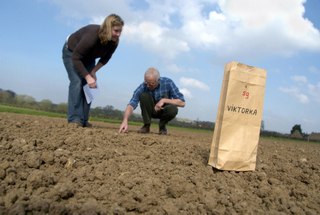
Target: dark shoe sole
[75,124]
[87,125]
[144,129]
[163,132]
[143,132]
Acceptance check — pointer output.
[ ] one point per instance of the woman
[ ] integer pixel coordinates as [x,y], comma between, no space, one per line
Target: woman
[80,51]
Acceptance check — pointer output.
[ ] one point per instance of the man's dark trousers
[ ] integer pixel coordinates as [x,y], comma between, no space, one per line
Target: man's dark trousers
[147,105]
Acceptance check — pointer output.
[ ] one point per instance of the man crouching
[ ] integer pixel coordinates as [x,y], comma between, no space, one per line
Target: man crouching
[159,98]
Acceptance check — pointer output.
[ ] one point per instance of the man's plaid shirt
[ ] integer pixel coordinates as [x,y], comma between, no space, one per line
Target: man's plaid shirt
[166,89]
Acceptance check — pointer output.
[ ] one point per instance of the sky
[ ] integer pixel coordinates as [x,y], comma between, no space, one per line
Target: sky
[186,40]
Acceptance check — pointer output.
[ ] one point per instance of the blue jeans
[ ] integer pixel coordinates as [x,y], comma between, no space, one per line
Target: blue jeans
[78,108]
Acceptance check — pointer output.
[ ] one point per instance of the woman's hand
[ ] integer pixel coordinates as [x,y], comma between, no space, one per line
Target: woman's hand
[91,81]
[93,75]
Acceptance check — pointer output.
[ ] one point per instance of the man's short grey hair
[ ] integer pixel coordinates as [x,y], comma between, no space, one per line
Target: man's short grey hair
[152,72]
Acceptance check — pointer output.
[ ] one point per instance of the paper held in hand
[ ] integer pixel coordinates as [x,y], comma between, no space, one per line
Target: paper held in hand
[90,93]
[237,129]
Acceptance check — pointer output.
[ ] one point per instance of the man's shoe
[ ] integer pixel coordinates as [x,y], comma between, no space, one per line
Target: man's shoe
[75,124]
[163,131]
[87,124]
[144,129]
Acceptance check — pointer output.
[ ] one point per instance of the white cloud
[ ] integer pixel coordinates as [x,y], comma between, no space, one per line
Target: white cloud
[314,92]
[295,93]
[313,69]
[303,99]
[300,79]
[190,82]
[175,69]
[216,16]
[270,27]
[168,28]
[291,90]
[155,38]
[305,92]
[186,93]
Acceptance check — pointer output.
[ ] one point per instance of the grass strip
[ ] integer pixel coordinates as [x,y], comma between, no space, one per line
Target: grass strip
[9,109]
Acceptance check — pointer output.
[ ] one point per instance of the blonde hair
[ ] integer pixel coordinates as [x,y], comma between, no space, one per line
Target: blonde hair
[105,31]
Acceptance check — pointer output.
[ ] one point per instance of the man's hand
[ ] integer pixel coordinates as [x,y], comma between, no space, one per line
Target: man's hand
[123,127]
[126,116]
[159,105]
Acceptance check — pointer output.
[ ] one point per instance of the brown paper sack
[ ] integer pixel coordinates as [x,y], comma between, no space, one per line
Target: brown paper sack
[237,128]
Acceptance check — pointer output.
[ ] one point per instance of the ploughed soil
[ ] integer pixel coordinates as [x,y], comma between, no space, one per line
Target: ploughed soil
[50,167]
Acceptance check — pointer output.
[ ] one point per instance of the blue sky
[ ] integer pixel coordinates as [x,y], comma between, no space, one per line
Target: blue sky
[188,41]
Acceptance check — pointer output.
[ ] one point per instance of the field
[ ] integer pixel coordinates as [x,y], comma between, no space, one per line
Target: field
[49,167]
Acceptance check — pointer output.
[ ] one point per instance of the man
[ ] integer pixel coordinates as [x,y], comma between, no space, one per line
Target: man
[159,98]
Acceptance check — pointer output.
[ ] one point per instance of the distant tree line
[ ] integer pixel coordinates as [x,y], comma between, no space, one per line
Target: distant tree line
[298,127]
[10,98]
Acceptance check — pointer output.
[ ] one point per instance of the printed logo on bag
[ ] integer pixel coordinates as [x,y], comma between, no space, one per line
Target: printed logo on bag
[242,110]
[245,94]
